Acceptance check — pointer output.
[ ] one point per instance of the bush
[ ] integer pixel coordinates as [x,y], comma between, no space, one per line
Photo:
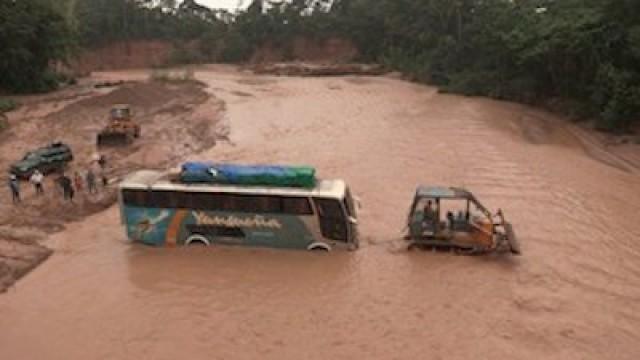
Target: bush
[49,81]
[617,96]
[7,105]
[65,79]
[473,83]
[236,48]
[184,55]
[172,76]
[33,36]
[4,123]
[415,66]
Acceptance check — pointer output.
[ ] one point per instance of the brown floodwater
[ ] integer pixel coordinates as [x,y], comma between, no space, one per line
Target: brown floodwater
[574,294]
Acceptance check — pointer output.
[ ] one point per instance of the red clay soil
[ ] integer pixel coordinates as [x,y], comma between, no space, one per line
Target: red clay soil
[333,50]
[154,53]
[123,55]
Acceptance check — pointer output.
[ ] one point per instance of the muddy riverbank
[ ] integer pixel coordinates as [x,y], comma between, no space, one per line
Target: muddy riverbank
[573,295]
[177,118]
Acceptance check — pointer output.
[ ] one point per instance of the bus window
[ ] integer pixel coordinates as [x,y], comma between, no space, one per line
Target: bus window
[236,203]
[137,198]
[225,203]
[199,201]
[184,200]
[329,208]
[296,206]
[206,201]
[333,222]
[247,204]
[267,204]
[164,200]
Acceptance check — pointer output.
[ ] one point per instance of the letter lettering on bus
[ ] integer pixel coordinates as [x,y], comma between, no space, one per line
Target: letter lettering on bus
[233,221]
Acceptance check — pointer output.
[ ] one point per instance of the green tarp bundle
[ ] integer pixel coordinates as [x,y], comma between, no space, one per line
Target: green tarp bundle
[280,176]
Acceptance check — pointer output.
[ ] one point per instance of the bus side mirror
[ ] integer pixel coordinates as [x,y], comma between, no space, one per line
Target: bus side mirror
[358,202]
[353,221]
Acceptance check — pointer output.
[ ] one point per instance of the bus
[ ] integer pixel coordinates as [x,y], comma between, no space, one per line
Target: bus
[159,211]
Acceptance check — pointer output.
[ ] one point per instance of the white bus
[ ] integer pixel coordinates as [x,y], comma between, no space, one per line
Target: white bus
[161,212]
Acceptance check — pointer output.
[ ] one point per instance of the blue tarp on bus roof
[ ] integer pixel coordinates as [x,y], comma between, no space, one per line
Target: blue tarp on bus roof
[266,175]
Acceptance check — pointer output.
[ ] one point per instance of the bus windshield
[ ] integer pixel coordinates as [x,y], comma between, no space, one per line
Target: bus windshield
[349,205]
[333,220]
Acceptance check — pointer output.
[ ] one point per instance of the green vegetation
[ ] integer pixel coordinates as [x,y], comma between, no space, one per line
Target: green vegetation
[7,105]
[104,21]
[33,35]
[584,54]
[172,76]
[4,123]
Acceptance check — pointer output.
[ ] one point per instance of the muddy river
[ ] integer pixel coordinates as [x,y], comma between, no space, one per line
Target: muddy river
[574,294]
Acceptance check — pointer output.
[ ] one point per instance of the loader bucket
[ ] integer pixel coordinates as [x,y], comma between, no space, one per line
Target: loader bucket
[112,139]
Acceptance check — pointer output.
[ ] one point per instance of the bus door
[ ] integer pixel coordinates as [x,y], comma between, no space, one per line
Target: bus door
[333,220]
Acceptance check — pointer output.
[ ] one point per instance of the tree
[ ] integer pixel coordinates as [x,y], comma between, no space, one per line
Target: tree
[32,35]
[585,52]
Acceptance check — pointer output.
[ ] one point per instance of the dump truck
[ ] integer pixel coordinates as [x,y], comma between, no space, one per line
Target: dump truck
[452,218]
[121,129]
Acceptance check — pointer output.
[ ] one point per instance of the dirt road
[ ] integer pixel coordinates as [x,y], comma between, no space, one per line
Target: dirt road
[573,295]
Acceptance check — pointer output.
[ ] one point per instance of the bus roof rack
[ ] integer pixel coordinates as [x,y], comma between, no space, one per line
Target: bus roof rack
[157,180]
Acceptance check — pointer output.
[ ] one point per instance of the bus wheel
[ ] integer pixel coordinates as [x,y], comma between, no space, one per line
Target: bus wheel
[197,240]
[319,247]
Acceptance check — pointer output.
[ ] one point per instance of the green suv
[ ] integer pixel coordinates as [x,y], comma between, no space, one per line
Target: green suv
[46,159]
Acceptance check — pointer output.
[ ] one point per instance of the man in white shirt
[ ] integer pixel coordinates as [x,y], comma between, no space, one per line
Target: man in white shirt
[36,179]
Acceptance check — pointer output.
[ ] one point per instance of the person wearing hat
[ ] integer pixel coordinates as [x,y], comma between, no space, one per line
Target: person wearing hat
[14,184]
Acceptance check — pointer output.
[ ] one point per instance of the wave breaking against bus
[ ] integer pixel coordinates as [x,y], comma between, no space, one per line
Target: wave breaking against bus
[164,210]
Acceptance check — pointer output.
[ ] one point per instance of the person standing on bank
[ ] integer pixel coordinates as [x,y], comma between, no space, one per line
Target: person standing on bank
[103,177]
[78,182]
[91,182]
[36,179]
[102,162]
[67,187]
[14,184]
